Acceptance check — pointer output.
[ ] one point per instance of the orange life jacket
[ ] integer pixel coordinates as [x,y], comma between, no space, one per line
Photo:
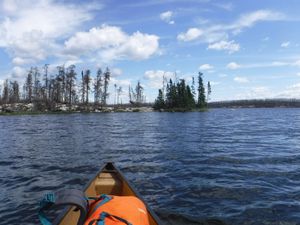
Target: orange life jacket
[117,210]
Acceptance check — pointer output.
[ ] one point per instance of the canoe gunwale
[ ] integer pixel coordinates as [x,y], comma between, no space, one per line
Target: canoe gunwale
[153,214]
[111,167]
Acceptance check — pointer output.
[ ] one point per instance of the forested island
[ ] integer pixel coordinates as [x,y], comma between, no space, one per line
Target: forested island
[65,91]
[179,96]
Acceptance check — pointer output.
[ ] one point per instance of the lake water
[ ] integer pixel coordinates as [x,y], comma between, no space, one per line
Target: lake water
[240,166]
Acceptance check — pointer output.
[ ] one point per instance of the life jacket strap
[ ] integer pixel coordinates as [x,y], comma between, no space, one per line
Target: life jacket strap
[101,200]
[103,215]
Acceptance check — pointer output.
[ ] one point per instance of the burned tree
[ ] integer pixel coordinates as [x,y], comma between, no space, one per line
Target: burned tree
[98,86]
[136,96]
[70,84]
[106,83]
[29,86]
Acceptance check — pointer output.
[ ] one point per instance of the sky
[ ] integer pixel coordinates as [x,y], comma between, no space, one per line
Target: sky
[246,49]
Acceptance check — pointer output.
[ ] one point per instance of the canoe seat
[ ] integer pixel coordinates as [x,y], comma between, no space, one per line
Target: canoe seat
[108,183]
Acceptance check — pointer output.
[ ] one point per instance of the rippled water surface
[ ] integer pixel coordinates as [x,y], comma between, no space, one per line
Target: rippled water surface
[240,166]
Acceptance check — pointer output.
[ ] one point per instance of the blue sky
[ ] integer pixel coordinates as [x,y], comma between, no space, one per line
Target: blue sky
[246,49]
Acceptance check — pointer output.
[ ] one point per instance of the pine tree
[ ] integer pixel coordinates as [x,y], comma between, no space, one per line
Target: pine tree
[159,102]
[5,95]
[189,98]
[201,92]
[193,87]
[208,91]
[171,95]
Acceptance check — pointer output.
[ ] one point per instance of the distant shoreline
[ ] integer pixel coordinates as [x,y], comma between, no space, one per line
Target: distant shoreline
[257,103]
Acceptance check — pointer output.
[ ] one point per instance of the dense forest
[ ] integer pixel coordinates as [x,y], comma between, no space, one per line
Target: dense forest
[46,90]
[180,96]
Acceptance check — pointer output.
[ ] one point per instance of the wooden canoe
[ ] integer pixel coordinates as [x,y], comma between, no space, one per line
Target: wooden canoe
[109,180]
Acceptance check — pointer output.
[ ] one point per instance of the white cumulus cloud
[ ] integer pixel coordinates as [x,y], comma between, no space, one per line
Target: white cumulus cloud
[111,43]
[30,30]
[96,38]
[167,17]
[190,35]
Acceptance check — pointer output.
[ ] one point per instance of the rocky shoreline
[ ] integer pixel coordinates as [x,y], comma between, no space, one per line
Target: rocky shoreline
[31,108]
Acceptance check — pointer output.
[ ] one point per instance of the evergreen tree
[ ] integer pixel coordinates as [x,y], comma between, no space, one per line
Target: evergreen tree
[181,99]
[159,102]
[201,92]
[189,98]
[5,95]
[193,87]
[171,95]
[178,95]
[208,91]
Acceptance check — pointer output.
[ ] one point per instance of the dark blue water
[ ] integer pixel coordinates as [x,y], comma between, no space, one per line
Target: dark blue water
[240,166]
